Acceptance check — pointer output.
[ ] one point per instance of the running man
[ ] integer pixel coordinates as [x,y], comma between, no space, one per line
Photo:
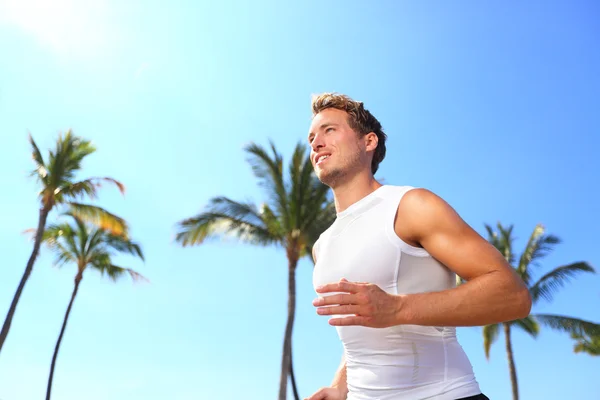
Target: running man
[386,270]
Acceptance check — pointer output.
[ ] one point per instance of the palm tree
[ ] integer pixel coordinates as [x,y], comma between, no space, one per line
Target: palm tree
[86,246]
[538,246]
[297,211]
[58,186]
[587,344]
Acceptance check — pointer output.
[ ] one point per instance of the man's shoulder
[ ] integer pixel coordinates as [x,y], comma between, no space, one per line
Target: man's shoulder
[413,196]
[421,206]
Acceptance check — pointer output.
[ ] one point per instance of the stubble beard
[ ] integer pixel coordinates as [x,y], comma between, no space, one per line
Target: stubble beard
[339,175]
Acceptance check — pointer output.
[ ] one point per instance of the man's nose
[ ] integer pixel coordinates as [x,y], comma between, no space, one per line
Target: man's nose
[317,143]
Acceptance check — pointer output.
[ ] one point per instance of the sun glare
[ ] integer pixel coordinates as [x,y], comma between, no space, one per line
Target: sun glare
[67,26]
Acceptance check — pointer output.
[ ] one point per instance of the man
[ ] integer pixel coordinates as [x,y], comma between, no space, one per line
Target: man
[386,271]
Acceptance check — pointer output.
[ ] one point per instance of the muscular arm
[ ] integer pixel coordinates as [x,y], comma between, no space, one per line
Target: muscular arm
[493,292]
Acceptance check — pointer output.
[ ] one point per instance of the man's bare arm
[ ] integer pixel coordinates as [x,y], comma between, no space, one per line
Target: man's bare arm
[493,292]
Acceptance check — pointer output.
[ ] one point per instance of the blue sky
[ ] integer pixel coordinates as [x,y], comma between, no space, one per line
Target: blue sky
[493,106]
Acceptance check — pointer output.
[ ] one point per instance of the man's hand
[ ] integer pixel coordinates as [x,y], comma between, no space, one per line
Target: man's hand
[366,303]
[328,393]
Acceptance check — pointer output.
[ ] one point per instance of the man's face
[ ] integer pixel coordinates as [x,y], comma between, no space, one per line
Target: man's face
[337,151]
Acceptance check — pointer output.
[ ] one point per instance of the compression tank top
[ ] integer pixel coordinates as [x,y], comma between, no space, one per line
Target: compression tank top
[403,361]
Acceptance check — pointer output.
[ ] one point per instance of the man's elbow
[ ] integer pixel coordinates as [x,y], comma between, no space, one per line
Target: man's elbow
[523,303]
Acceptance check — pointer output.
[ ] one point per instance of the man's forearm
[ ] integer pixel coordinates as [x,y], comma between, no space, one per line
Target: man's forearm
[339,380]
[487,299]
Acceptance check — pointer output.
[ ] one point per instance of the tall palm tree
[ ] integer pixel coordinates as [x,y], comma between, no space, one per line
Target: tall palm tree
[296,212]
[545,287]
[87,247]
[587,344]
[56,176]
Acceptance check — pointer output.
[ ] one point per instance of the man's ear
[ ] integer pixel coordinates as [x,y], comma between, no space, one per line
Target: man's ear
[371,141]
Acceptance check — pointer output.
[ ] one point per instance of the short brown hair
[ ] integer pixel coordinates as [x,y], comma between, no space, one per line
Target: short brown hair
[359,119]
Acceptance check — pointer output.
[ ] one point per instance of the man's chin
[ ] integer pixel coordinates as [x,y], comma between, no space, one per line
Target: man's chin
[328,178]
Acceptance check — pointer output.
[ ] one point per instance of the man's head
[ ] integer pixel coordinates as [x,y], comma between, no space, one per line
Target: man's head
[346,132]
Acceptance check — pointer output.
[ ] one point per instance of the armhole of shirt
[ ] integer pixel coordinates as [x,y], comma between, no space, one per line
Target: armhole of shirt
[395,199]
[315,249]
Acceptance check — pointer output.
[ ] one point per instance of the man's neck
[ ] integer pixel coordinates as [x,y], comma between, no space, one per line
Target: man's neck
[349,193]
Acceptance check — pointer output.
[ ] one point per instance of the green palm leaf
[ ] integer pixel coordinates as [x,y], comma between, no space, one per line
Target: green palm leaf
[115,272]
[88,187]
[40,170]
[528,325]
[194,231]
[568,324]
[490,334]
[587,344]
[549,283]
[506,241]
[538,246]
[120,244]
[269,171]
[99,217]
[502,241]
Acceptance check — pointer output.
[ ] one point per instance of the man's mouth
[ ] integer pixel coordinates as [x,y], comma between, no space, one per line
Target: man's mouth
[320,159]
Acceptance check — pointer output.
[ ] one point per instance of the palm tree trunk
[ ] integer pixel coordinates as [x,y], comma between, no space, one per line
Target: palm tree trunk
[62,332]
[36,248]
[287,341]
[293,379]
[511,362]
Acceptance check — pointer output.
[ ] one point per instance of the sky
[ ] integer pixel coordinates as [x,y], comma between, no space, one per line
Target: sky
[491,105]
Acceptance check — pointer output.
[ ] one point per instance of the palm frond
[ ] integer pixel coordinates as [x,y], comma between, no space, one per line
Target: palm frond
[245,211]
[587,344]
[549,283]
[95,240]
[301,191]
[271,222]
[100,218]
[56,236]
[123,245]
[506,241]
[114,272]
[493,237]
[538,246]
[88,187]
[528,325]
[65,161]
[194,231]
[269,171]
[569,325]
[490,334]
[40,170]
[501,240]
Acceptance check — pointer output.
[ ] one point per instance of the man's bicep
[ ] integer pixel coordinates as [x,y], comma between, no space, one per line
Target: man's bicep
[441,231]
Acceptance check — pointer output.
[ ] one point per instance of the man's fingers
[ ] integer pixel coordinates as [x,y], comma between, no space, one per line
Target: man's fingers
[338,299]
[341,310]
[346,321]
[319,395]
[342,286]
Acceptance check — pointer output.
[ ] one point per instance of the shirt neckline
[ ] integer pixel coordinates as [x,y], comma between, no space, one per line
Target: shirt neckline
[354,206]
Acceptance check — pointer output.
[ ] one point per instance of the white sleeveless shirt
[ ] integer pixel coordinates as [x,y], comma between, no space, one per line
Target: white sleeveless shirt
[402,362]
